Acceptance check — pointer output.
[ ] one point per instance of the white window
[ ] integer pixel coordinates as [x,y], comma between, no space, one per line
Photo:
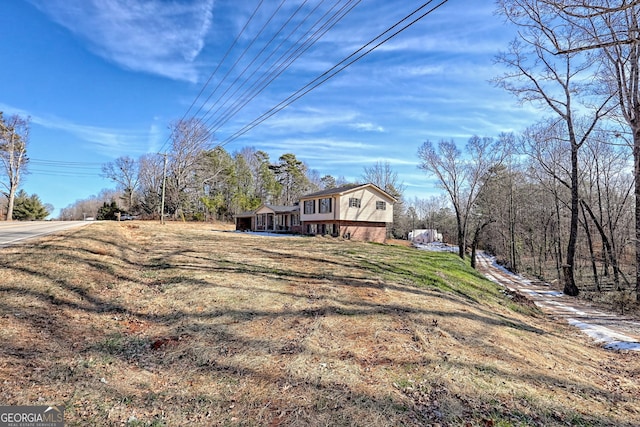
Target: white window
[354,203]
[325,205]
[381,206]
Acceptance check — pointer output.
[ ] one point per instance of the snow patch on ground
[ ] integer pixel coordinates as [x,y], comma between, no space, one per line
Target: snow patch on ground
[611,340]
[555,302]
[436,247]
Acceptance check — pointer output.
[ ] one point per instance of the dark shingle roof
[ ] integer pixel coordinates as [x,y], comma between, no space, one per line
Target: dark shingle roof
[283,209]
[343,189]
[336,190]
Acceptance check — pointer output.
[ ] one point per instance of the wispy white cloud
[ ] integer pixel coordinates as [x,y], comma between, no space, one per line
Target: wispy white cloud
[309,120]
[155,137]
[105,141]
[317,147]
[153,36]
[367,127]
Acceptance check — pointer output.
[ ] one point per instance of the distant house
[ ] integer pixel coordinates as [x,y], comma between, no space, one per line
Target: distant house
[355,211]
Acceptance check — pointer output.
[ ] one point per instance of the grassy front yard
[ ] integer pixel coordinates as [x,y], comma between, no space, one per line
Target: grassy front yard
[140,324]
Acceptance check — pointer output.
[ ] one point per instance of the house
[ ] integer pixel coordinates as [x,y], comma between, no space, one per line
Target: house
[270,218]
[354,211]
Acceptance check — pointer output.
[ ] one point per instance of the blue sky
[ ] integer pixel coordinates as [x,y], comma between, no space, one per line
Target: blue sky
[102,79]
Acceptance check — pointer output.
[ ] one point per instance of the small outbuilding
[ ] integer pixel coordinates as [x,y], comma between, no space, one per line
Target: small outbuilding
[424,236]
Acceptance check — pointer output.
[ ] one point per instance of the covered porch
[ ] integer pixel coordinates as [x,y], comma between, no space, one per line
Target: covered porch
[268,218]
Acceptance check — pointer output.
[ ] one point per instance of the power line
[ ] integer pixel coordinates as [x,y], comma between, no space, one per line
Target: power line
[64,164]
[244,52]
[277,68]
[215,71]
[64,168]
[333,71]
[63,173]
[259,54]
[284,62]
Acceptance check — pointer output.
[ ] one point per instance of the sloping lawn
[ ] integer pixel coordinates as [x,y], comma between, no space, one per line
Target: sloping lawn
[140,324]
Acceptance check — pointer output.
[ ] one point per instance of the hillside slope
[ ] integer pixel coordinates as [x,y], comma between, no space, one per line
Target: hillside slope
[146,325]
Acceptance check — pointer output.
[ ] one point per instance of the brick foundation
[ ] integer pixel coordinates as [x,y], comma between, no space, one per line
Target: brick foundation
[353,230]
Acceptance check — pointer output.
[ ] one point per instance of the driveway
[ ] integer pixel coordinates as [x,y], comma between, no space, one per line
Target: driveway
[17,231]
[613,331]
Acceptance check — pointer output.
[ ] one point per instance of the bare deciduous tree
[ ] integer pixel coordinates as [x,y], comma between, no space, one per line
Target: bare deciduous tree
[125,172]
[461,177]
[383,175]
[611,29]
[561,84]
[14,138]
[190,139]
[150,171]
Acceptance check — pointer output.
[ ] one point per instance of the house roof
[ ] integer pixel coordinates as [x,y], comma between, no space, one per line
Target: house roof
[276,209]
[345,189]
[330,191]
[282,209]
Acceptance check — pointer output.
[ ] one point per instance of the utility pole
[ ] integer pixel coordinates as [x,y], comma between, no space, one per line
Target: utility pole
[164,183]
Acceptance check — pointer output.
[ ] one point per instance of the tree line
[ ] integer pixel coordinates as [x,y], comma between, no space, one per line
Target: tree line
[563,198]
[199,180]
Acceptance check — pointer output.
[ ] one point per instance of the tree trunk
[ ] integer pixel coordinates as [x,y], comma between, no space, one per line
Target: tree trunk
[474,243]
[10,202]
[591,253]
[558,243]
[607,248]
[636,158]
[512,232]
[570,287]
[461,236]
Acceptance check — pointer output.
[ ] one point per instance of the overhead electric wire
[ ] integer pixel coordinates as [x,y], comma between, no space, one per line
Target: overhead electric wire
[282,27]
[215,71]
[244,52]
[57,163]
[64,168]
[270,75]
[63,173]
[274,71]
[333,71]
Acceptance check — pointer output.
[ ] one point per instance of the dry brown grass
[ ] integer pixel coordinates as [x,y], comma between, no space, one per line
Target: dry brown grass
[146,325]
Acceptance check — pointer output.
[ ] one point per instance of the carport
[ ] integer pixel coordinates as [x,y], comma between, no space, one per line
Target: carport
[244,221]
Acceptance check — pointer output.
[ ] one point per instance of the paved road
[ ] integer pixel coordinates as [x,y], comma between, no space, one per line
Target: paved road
[612,330]
[18,231]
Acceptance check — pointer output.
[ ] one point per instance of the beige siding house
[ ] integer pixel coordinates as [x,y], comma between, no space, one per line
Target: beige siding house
[355,211]
[359,212]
